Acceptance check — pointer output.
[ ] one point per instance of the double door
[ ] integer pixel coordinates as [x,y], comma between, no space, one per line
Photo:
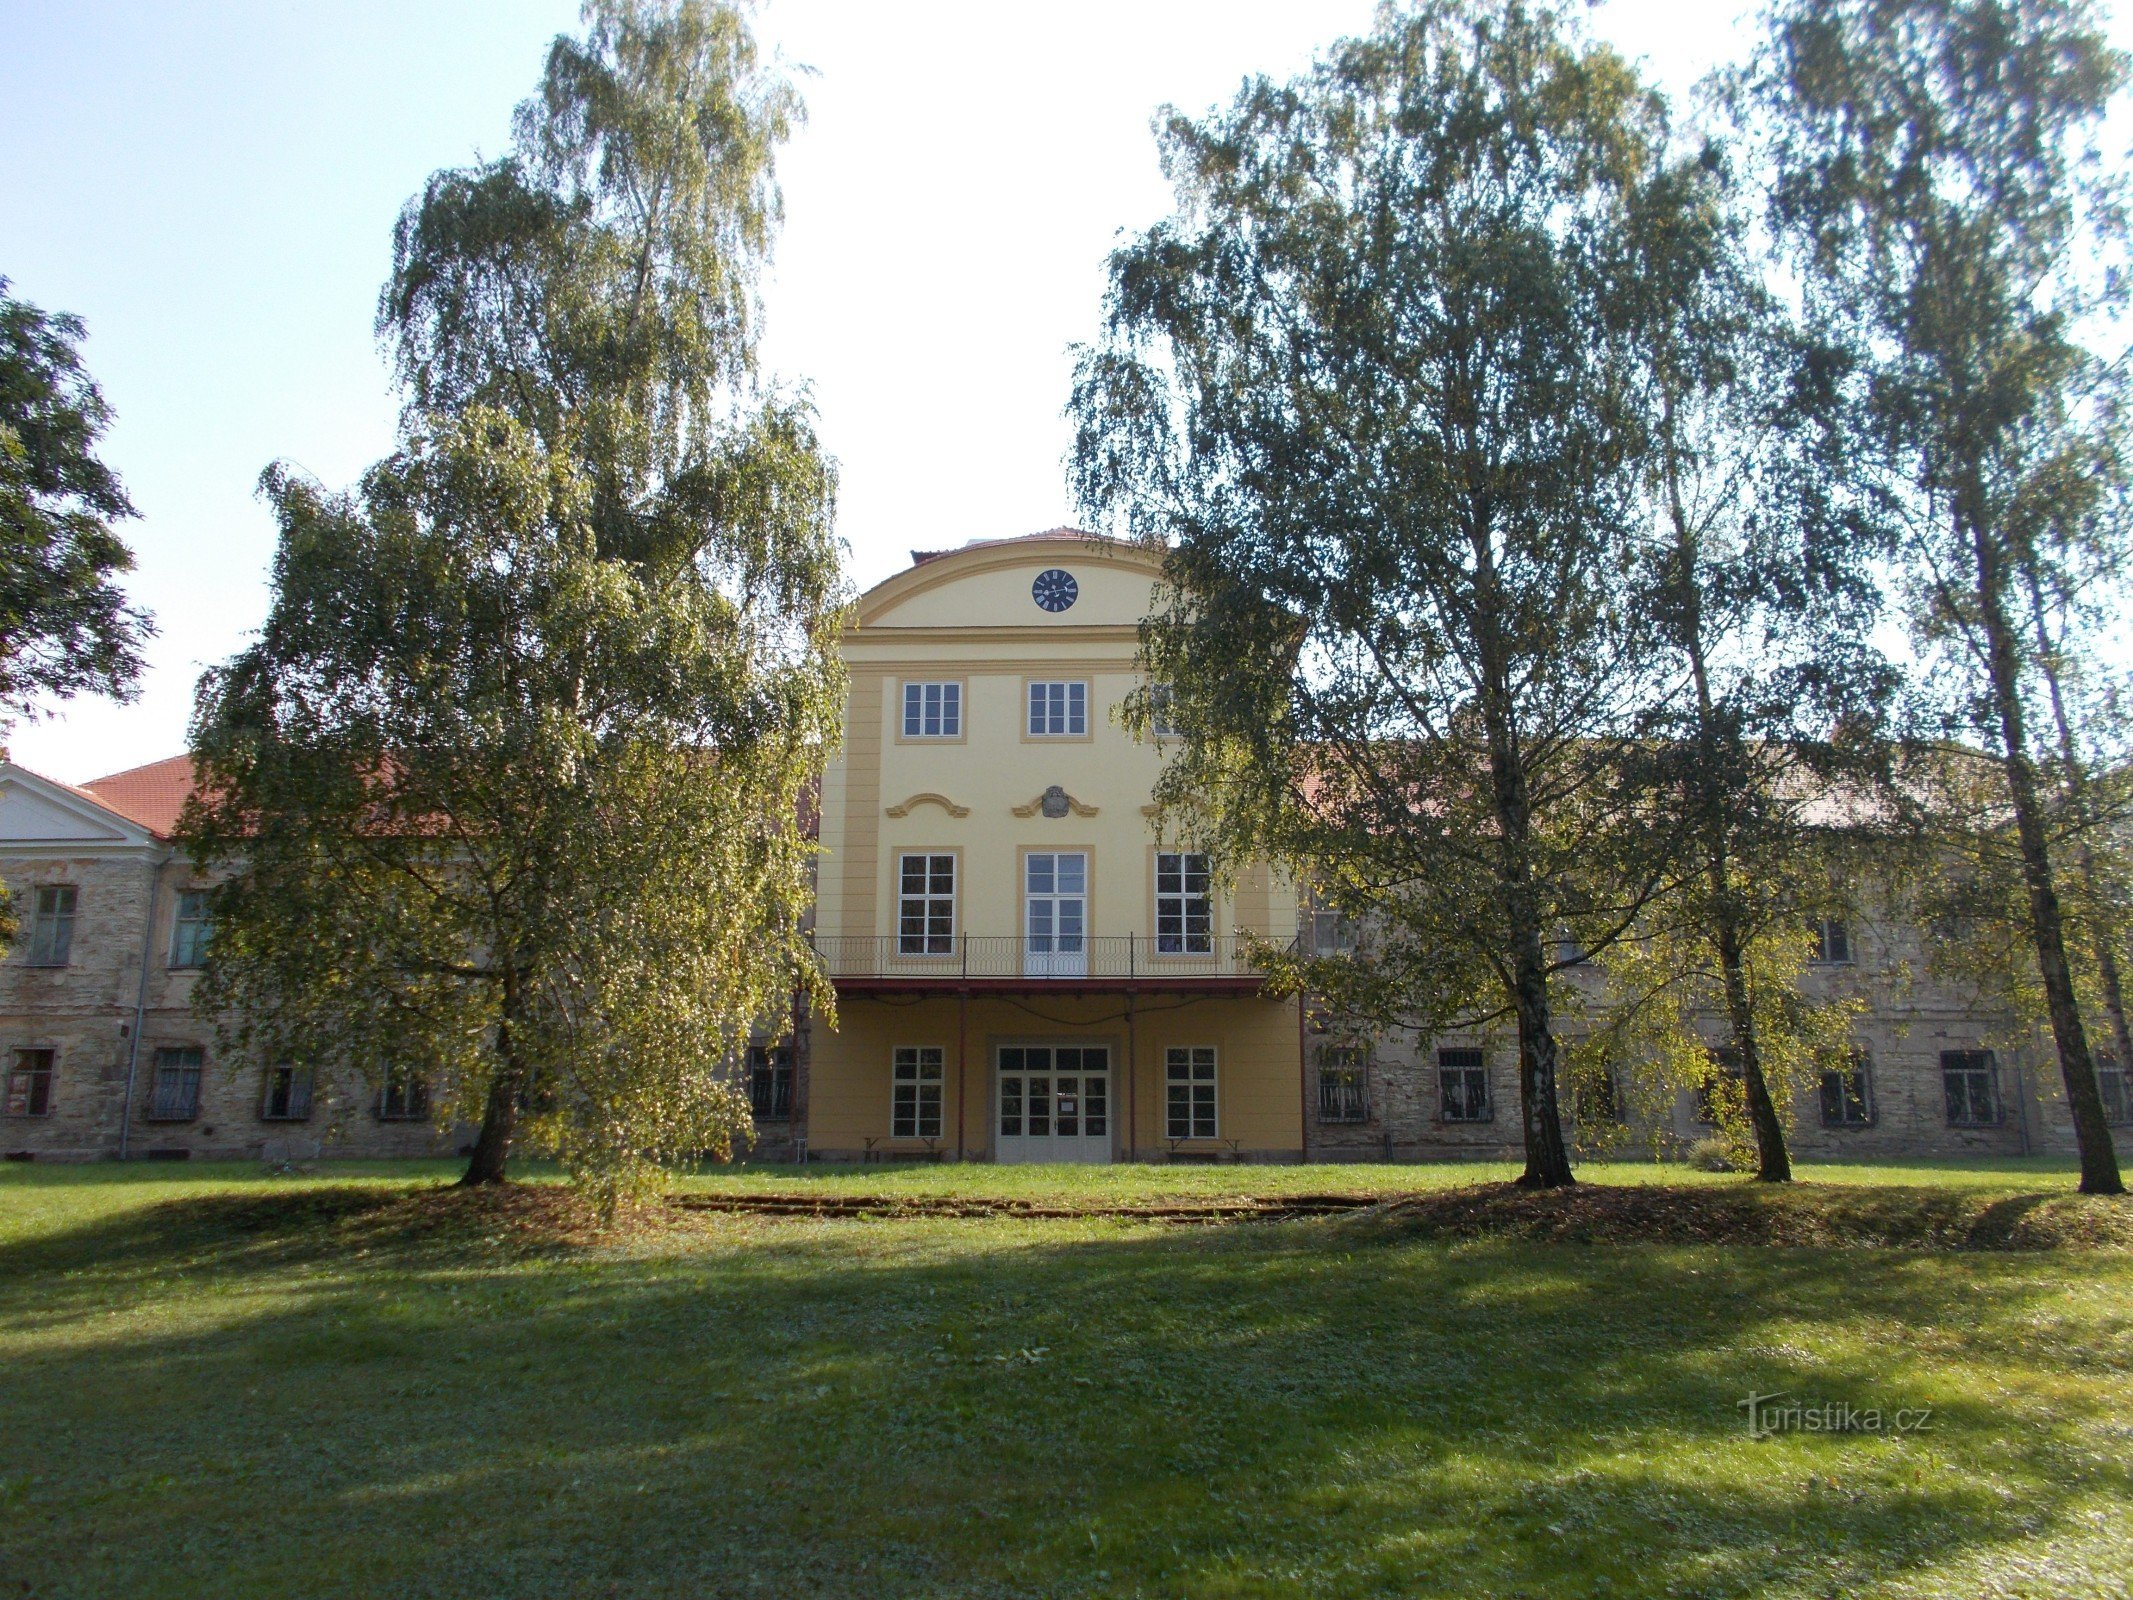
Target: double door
[1053,1103]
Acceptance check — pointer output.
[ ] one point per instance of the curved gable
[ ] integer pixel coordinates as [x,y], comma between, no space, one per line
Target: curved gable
[989,585]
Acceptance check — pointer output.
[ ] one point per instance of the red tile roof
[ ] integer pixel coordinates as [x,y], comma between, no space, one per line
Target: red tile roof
[151,795]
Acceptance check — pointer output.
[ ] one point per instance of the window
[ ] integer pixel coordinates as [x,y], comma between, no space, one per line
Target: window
[1970,1080]
[188,930]
[1595,1096]
[1463,1087]
[1724,1087]
[2111,1084]
[1058,710]
[770,1081]
[51,926]
[1162,718]
[404,1096]
[1847,1096]
[1190,1074]
[1569,952]
[933,711]
[175,1096]
[1332,933]
[1184,916]
[915,1100]
[288,1096]
[925,905]
[1833,942]
[1343,1084]
[29,1084]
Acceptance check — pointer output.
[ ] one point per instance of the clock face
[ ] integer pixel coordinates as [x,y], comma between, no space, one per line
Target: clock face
[1055,590]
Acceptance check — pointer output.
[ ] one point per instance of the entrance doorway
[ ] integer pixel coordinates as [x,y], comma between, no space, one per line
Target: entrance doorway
[1054,1103]
[1055,914]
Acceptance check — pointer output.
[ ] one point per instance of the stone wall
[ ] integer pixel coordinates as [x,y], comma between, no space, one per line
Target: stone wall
[1910,1018]
[86,1014]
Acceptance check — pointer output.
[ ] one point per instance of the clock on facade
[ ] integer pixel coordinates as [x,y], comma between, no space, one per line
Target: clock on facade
[1055,590]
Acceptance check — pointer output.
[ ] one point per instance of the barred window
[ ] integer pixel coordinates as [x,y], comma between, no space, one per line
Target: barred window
[925,905]
[1970,1081]
[1184,914]
[288,1095]
[915,1099]
[1832,942]
[189,929]
[1343,1083]
[770,1081]
[404,1096]
[1189,1073]
[1847,1095]
[29,1084]
[1463,1086]
[175,1095]
[51,942]
[933,711]
[1058,710]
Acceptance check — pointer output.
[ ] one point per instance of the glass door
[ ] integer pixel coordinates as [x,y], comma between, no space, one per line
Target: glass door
[1054,1103]
[1055,916]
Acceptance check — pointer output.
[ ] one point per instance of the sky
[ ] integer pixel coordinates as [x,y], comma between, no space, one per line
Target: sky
[212,188]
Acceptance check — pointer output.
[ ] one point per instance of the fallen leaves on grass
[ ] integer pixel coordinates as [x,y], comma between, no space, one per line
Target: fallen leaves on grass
[1800,1214]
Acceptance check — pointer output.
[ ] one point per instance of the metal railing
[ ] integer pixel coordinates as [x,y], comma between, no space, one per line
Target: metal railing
[1103,955]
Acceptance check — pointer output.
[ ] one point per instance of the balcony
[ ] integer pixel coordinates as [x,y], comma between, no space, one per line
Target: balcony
[1013,963]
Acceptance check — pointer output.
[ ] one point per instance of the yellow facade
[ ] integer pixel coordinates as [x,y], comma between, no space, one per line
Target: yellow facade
[1052,944]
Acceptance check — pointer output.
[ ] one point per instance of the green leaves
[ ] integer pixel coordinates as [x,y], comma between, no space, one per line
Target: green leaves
[65,627]
[512,787]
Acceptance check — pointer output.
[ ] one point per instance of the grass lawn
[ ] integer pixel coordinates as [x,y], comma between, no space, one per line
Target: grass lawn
[224,1383]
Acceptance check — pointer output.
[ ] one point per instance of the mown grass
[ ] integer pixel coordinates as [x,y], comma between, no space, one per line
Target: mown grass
[224,1383]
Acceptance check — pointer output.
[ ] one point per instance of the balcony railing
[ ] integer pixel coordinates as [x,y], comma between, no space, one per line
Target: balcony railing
[996,956]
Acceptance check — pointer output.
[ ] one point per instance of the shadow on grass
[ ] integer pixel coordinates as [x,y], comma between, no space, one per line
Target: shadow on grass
[345,1390]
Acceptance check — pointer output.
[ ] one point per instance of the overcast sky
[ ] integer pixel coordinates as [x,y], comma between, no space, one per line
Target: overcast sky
[212,188]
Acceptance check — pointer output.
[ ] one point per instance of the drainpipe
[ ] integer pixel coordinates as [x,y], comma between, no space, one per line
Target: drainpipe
[1303,1077]
[140,999]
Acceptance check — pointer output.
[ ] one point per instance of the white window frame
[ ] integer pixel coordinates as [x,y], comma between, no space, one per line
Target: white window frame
[939,700]
[927,940]
[1064,701]
[1162,714]
[1333,933]
[913,1070]
[1192,1100]
[404,1096]
[1179,899]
